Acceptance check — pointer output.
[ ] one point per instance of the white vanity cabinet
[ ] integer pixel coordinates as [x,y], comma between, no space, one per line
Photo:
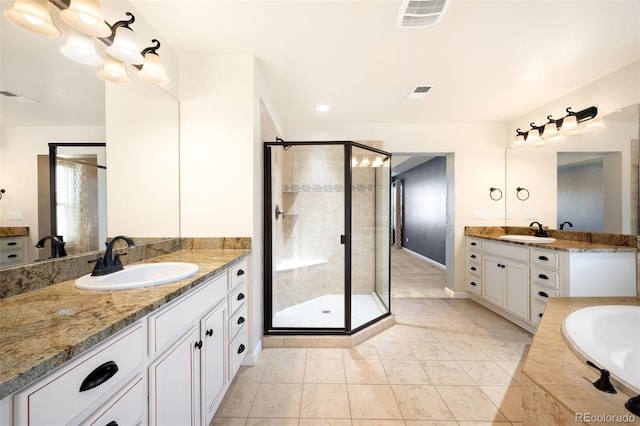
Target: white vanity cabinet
[238,330]
[192,368]
[13,250]
[506,277]
[517,281]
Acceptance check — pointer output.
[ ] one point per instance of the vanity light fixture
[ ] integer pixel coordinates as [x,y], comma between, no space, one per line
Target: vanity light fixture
[152,70]
[86,16]
[552,130]
[81,48]
[33,16]
[114,71]
[124,46]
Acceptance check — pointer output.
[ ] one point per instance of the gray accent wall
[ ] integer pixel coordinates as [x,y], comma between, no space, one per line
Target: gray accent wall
[424,200]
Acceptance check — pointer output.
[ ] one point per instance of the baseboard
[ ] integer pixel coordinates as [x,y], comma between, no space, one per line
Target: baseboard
[456,294]
[252,357]
[433,262]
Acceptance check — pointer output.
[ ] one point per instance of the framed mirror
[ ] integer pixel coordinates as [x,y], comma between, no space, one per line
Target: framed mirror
[589,179]
[48,98]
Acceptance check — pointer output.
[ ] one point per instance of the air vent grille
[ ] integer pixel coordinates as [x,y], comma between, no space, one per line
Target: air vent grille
[421,13]
[14,97]
[418,92]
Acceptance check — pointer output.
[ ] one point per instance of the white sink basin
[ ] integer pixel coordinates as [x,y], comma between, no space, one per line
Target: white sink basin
[527,239]
[138,276]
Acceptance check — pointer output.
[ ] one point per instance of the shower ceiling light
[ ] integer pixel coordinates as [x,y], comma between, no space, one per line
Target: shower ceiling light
[86,16]
[33,16]
[551,130]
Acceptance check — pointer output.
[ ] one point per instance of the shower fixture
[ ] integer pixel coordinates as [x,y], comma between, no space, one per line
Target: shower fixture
[279,212]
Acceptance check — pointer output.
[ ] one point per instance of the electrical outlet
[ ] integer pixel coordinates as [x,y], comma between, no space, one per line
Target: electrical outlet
[480,215]
[531,215]
[14,216]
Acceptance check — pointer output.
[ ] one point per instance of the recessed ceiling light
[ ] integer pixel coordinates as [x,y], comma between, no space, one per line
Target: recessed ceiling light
[322,108]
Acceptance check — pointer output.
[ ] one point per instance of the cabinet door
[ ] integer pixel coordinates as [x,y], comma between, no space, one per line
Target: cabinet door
[213,361]
[492,273]
[172,383]
[516,289]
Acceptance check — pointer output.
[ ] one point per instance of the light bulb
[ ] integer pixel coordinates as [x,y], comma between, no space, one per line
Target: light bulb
[33,16]
[152,70]
[86,16]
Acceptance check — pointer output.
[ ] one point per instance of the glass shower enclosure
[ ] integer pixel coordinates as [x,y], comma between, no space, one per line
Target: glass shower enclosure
[326,237]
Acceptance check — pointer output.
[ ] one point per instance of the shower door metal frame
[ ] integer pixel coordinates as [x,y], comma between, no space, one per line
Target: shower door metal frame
[268,249]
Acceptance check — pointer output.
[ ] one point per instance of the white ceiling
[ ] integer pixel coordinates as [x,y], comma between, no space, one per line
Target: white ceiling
[487,61]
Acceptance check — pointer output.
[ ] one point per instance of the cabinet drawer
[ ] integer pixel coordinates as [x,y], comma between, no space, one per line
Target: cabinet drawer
[545,278]
[545,258]
[542,294]
[537,311]
[511,251]
[238,274]
[125,408]
[237,299]
[11,256]
[58,398]
[166,325]
[475,269]
[474,257]
[237,351]
[474,284]
[11,243]
[237,321]
[474,243]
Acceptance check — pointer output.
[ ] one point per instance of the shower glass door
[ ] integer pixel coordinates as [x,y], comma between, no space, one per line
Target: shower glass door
[306,249]
[370,267]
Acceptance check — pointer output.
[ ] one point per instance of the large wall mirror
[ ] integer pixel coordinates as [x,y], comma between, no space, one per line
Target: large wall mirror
[61,101]
[586,182]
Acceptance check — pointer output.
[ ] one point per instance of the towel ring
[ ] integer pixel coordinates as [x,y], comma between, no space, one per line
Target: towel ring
[521,189]
[492,190]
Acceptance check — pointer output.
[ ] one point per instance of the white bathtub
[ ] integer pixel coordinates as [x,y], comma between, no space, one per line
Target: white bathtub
[609,336]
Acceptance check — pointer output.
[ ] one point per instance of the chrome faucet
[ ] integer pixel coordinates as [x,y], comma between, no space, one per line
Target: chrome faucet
[539,232]
[57,245]
[111,263]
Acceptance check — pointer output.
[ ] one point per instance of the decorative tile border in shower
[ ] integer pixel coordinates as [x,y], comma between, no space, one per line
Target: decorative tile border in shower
[316,187]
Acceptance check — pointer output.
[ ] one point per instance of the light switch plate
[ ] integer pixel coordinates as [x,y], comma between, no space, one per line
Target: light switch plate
[14,216]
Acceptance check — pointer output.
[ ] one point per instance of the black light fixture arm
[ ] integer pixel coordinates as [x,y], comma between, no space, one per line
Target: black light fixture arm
[582,115]
[124,23]
[151,49]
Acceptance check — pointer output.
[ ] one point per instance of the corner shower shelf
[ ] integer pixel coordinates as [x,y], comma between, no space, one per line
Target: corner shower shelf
[291,264]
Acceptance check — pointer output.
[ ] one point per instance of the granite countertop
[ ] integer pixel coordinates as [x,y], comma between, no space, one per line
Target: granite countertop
[559,244]
[553,366]
[14,231]
[42,329]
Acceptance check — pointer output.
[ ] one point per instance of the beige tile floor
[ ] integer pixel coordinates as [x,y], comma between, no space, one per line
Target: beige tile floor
[445,362]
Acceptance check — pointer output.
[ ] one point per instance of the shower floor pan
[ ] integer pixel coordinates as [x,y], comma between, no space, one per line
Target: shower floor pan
[328,312]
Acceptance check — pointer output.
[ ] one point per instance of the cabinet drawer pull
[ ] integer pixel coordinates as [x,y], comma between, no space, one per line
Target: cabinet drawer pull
[543,277]
[540,315]
[12,243]
[473,256]
[209,332]
[98,376]
[545,258]
[112,423]
[241,348]
[473,243]
[241,320]
[240,272]
[198,344]
[473,268]
[11,256]
[240,296]
[543,294]
[473,284]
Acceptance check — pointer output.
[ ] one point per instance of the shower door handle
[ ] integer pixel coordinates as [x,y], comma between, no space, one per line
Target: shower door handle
[343,239]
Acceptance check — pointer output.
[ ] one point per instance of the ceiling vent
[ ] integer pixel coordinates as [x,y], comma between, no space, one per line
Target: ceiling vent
[14,97]
[418,92]
[420,13]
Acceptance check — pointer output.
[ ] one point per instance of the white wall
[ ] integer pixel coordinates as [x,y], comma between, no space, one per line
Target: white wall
[20,147]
